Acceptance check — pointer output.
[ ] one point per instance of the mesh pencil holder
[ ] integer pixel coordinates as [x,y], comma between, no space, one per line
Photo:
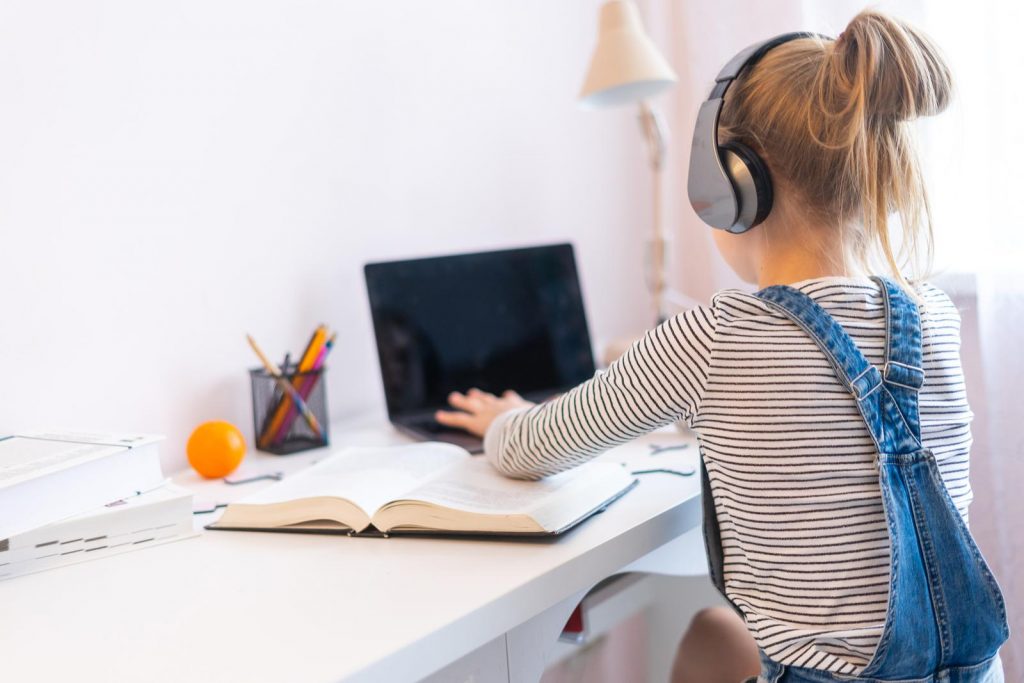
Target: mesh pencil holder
[280,427]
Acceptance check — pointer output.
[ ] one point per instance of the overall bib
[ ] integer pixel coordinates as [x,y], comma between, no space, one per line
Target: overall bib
[946,618]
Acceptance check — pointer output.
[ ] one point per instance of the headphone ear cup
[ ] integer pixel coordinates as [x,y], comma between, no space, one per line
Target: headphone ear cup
[751,181]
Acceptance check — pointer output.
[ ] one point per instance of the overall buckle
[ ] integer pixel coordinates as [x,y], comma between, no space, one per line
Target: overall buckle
[902,375]
[866,383]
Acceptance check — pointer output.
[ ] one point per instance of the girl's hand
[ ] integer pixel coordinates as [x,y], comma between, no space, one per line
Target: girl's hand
[477,409]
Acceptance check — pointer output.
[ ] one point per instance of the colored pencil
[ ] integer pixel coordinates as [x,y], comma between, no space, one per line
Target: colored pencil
[287,388]
[272,431]
[305,384]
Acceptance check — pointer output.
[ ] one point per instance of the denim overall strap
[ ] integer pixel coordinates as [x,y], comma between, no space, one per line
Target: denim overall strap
[888,426]
[902,373]
[946,618]
[965,596]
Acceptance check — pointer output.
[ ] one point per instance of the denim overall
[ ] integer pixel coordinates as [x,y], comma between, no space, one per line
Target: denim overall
[946,618]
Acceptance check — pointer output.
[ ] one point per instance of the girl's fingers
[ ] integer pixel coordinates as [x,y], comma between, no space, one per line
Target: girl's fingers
[452,419]
[475,410]
[463,402]
[481,395]
[470,423]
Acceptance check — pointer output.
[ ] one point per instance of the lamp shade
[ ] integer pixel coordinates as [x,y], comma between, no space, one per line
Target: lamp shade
[626,67]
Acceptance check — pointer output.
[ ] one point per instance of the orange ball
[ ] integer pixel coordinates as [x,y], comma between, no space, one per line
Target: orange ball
[215,449]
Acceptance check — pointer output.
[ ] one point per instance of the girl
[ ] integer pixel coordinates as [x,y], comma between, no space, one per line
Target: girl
[830,406]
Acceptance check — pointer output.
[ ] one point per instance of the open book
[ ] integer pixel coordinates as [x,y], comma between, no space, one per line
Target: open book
[425,488]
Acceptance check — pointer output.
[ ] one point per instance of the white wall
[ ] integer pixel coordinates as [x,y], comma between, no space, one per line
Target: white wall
[175,174]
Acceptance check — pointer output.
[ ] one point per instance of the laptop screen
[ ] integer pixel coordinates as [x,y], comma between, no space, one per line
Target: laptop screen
[496,320]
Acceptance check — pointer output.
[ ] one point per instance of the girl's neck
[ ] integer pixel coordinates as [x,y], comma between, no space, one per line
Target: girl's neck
[795,249]
[794,268]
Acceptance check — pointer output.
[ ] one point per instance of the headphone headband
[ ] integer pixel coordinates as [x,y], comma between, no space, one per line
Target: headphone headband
[712,188]
[753,54]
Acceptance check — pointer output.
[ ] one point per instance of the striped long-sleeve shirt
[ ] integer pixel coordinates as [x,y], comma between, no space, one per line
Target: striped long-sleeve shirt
[789,458]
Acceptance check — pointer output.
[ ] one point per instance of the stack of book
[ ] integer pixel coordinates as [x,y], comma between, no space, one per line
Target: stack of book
[67,498]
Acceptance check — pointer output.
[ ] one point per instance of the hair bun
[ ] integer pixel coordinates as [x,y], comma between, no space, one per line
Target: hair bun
[893,68]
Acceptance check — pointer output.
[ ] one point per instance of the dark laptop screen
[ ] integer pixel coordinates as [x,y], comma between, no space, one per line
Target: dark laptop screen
[496,320]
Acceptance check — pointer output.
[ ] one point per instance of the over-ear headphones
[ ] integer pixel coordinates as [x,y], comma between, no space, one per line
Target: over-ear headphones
[729,185]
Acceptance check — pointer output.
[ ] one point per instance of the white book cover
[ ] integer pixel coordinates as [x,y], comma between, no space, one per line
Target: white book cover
[158,516]
[50,476]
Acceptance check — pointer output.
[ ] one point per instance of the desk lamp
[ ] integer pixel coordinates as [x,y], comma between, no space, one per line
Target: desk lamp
[627,69]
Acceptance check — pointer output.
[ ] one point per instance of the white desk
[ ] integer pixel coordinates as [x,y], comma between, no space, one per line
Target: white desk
[253,607]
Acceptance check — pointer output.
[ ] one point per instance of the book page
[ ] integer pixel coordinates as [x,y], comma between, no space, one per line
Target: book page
[475,486]
[553,502]
[369,477]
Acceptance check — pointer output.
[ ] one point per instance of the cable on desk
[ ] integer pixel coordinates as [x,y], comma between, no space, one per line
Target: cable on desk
[216,507]
[276,476]
[658,449]
[662,470]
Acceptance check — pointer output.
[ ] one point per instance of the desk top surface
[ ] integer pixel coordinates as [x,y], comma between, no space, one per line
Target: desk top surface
[243,606]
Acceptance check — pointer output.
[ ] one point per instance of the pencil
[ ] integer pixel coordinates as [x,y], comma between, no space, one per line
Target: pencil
[272,431]
[286,387]
[305,385]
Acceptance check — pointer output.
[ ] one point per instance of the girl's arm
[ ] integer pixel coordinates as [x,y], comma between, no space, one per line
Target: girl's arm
[660,379]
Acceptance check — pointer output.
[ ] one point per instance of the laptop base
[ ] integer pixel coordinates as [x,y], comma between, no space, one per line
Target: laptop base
[429,429]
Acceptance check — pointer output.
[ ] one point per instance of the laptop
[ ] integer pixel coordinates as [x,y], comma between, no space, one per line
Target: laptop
[496,320]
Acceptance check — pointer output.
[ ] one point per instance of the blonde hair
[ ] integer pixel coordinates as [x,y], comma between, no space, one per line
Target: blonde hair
[832,119]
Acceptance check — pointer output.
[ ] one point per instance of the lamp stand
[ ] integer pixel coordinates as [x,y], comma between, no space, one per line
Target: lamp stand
[655,134]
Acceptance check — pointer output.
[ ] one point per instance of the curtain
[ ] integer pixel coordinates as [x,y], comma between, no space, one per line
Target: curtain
[974,162]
